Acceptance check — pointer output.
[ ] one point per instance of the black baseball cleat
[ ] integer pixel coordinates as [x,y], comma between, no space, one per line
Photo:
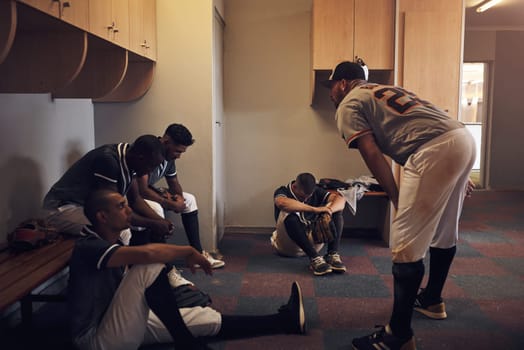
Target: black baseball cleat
[293,311]
[432,309]
[383,339]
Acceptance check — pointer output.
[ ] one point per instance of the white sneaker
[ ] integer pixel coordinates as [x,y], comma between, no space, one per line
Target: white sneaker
[215,263]
[176,279]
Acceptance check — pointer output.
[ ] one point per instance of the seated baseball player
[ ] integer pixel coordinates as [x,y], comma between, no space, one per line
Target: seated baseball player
[121,297]
[176,139]
[113,166]
[296,206]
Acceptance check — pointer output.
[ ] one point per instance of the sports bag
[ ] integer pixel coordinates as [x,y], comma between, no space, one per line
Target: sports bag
[333,184]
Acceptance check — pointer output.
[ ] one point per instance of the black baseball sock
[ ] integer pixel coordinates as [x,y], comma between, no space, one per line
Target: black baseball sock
[190,223]
[250,326]
[407,278]
[297,232]
[161,300]
[439,263]
[338,221]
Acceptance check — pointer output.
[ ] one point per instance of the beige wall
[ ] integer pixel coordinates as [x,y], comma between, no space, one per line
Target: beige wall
[507,146]
[504,50]
[272,133]
[479,46]
[181,92]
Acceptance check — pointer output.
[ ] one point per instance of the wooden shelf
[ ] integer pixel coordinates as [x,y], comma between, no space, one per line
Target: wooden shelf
[7,27]
[136,82]
[104,70]
[40,60]
[41,53]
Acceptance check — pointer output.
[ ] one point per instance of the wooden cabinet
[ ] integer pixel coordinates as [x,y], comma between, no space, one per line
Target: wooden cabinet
[142,27]
[74,12]
[109,19]
[430,50]
[347,29]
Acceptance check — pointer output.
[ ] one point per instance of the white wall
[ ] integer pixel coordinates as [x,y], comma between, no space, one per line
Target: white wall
[181,93]
[272,133]
[504,50]
[39,139]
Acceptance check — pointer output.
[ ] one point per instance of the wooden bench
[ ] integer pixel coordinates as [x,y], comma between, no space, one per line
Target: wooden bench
[21,273]
[373,212]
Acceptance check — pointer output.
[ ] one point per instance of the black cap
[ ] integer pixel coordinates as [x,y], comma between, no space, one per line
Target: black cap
[347,70]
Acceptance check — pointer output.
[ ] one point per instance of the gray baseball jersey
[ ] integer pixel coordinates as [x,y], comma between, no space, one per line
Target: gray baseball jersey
[399,120]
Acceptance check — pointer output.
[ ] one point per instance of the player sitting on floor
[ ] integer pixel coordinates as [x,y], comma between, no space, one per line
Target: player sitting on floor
[296,205]
[115,306]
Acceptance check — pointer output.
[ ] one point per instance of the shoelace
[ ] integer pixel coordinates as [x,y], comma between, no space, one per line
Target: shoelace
[317,261]
[335,257]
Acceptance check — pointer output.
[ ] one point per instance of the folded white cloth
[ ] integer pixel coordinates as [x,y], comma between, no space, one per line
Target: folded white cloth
[352,195]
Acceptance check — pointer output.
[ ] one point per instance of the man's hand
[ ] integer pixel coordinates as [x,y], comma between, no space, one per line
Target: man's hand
[198,259]
[324,209]
[177,203]
[161,228]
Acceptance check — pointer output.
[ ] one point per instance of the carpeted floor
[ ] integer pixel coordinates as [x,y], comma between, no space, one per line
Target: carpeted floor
[484,294]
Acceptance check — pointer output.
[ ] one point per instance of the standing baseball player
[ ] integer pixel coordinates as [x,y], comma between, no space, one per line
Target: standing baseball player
[437,154]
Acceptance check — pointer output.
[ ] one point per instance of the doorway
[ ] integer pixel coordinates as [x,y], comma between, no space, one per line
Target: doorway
[219,126]
[475,113]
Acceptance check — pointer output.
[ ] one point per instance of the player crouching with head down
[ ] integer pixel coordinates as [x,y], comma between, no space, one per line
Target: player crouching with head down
[297,206]
[120,297]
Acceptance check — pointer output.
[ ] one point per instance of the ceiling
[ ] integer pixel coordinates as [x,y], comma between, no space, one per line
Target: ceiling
[508,14]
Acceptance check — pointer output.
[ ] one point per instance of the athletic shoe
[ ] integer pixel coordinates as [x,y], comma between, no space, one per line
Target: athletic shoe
[215,263]
[336,263]
[383,339]
[436,311]
[293,311]
[319,266]
[176,279]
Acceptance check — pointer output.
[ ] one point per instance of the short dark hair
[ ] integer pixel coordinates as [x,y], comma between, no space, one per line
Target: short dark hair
[96,201]
[306,182]
[180,135]
[148,146]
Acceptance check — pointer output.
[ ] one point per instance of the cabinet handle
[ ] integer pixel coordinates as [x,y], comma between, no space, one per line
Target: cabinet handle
[66,4]
[144,45]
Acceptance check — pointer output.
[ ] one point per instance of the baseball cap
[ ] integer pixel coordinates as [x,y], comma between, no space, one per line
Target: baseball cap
[349,71]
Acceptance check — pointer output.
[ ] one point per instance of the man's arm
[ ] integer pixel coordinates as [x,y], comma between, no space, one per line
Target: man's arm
[158,253]
[178,194]
[378,166]
[336,202]
[147,193]
[143,215]
[292,205]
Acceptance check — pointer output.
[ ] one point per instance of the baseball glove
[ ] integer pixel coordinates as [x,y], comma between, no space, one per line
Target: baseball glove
[31,234]
[321,230]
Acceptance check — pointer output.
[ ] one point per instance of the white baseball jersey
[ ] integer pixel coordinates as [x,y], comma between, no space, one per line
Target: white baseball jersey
[400,121]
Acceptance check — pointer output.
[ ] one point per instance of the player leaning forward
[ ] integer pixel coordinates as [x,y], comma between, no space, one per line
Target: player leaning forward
[437,154]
